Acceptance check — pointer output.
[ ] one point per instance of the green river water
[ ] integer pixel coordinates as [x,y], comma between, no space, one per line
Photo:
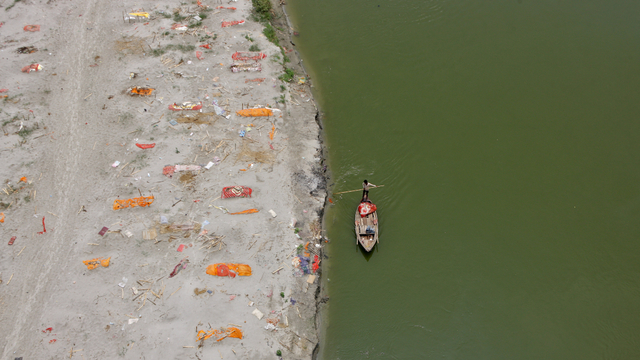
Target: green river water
[507,135]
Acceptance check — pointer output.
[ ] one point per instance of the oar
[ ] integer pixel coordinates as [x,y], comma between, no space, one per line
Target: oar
[349,191]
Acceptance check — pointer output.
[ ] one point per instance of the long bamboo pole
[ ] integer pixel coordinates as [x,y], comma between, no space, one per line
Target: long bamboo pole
[350,191]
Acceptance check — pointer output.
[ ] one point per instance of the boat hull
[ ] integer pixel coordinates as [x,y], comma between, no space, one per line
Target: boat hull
[367,239]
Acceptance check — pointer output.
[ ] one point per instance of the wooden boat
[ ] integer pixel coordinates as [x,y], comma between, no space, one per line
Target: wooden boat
[367,239]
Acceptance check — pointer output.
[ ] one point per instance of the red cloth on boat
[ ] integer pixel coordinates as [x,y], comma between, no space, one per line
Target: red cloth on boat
[366,208]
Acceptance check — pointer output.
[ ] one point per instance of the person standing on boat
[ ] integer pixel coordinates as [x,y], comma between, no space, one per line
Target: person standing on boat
[365,191]
[365,199]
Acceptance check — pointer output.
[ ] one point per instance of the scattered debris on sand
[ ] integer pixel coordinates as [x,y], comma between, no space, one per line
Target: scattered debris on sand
[140,156]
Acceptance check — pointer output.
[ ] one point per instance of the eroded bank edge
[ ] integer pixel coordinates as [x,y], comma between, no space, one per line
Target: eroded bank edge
[281,20]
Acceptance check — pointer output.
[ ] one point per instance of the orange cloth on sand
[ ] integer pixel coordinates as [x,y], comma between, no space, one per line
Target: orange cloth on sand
[272,132]
[255,112]
[220,334]
[94,263]
[133,202]
[250,211]
[141,91]
[228,269]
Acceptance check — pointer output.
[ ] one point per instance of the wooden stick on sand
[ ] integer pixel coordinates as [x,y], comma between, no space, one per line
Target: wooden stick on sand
[174,292]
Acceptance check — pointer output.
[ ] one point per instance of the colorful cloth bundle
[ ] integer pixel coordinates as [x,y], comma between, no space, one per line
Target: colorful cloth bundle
[255,112]
[143,91]
[133,202]
[94,263]
[228,269]
[235,191]
[248,55]
[301,264]
[220,334]
[231,23]
[237,67]
[185,106]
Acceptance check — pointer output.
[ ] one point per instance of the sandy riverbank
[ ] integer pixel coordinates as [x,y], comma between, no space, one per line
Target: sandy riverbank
[64,127]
